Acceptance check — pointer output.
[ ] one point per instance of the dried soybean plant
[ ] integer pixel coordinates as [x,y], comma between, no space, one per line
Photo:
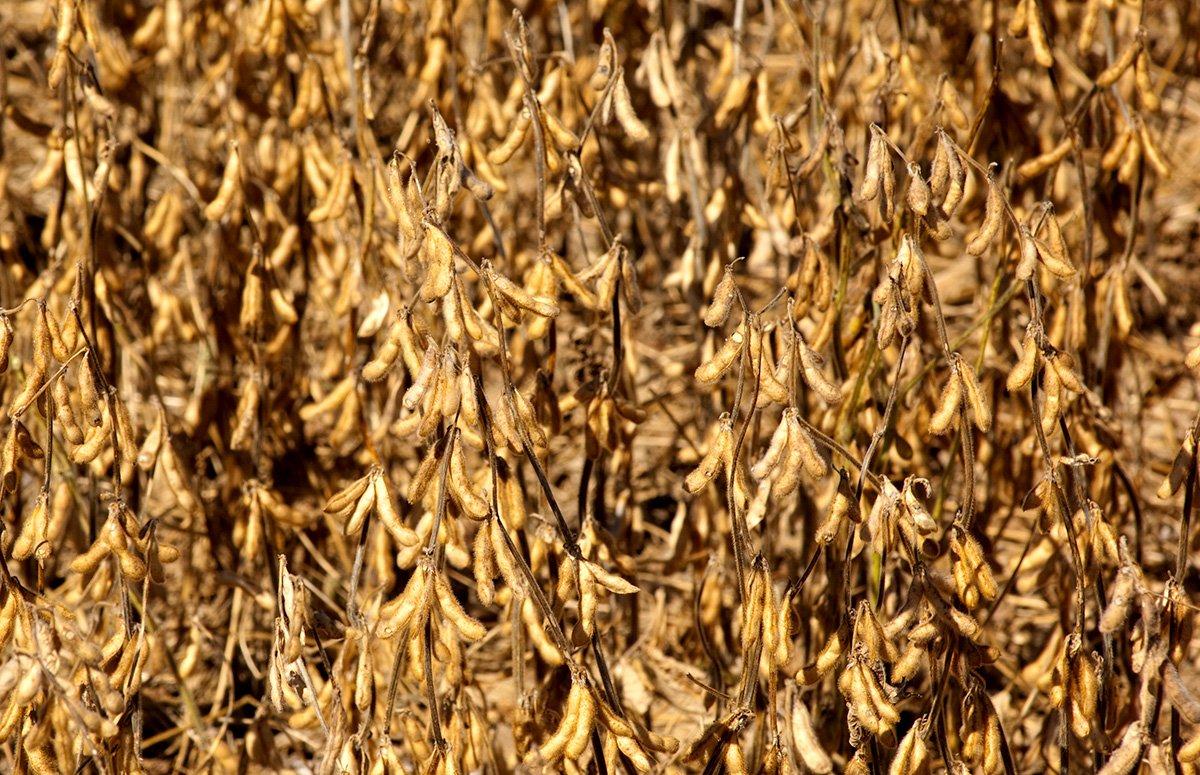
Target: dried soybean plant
[618,386]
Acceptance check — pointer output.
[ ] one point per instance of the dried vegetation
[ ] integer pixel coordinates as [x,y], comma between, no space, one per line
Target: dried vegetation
[618,386]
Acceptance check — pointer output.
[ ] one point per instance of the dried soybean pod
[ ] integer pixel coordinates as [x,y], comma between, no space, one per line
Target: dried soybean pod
[974,393]
[404,207]
[396,614]
[89,394]
[551,750]
[1055,243]
[956,185]
[606,284]
[918,196]
[1063,365]
[362,507]
[40,756]
[1037,36]
[418,485]
[623,108]
[439,264]
[125,434]
[58,513]
[808,745]
[1189,752]
[147,456]
[504,559]
[62,41]
[786,475]
[388,515]
[1114,71]
[606,63]
[6,339]
[229,188]
[887,184]
[87,562]
[992,221]
[803,453]
[64,411]
[1120,602]
[246,416]
[1087,26]
[59,346]
[1121,306]
[424,379]
[448,604]
[1018,23]
[1116,150]
[767,463]
[333,204]
[387,354]
[877,156]
[571,282]
[538,305]
[734,98]
[472,502]
[753,610]
[939,171]
[811,363]
[1129,163]
[1179,695]
[583,723]
[1145,86]
[512,141]
[1124,758]
[735,760]
[344,500]
[1023,370]
[483,558]
[947,407]
[564,138]
[722,301]
[912,755]
[609,580]
[719,451]
[1027,264]
[1057,266]
[306,85]
[1084,687]
[726,355]
[1039,164]
[33,529]
[1151,151]
[35,378]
